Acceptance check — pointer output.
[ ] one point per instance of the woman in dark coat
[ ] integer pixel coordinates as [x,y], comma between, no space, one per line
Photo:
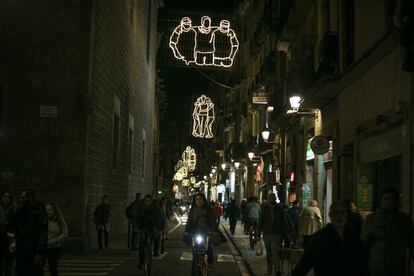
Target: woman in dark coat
[201,220]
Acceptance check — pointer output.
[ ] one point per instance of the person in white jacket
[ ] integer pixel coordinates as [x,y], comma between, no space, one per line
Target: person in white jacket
[57,232]
[310,221]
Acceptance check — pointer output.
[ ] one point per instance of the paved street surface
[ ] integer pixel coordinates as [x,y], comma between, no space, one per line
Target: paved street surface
[232,258]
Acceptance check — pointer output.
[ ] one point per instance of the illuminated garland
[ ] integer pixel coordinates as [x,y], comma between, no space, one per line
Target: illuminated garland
[205,38]
[203,117]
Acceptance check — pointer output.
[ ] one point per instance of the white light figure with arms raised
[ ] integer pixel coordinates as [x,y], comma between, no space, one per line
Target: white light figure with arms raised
[203,117]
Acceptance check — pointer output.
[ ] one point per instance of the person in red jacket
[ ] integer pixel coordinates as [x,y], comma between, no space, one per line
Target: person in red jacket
[219,211]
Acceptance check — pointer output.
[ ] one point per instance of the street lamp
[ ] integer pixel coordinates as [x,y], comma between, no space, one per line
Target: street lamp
[237,164]
[265,134]
[250,155]
[295,102]
[223,166]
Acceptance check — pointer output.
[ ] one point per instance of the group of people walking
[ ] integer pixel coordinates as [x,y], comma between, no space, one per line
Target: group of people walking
[31,234]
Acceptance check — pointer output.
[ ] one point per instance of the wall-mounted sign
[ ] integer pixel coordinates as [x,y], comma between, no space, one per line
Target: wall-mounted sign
[203,117]
[211,45]
[320,145]
[260,96]
[48,111]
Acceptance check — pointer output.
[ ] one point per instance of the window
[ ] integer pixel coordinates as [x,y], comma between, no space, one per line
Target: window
[143,154]
[116,131]
[149,29]
[349,33]
[130,154]
[1,105]
[132,11]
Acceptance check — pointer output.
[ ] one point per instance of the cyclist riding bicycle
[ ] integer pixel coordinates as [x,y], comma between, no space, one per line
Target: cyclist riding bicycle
[147,219]
[202,221]
[252,210]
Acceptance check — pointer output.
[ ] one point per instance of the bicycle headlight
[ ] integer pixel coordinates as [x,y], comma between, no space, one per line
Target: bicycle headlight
[199,239]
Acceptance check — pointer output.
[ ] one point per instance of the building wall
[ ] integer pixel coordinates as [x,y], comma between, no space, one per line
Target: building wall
[80,66]
[44,58]
[121,70]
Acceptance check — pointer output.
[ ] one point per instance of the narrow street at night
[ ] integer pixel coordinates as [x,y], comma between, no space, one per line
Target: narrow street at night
[206,137]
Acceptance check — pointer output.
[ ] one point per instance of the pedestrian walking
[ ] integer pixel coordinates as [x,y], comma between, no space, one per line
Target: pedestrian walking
[335,250]
[57,232]
[129,213]
[274,226]
[232,213]
[388,237]
[310,221]
[30,229]
[219,211]
[167,212]
[294,213]
[353,217]
[7,211]
[102,217]
[243,213]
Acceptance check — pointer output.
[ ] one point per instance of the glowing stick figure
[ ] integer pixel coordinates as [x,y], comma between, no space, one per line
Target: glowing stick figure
[189,158]
[203,117]
[211,45]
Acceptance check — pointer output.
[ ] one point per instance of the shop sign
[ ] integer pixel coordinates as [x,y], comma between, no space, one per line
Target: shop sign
[320,145]
[292,177]
[260,96]
[309,153]
[306,194]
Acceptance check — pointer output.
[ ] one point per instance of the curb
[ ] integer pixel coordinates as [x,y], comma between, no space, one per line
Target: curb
[246,263]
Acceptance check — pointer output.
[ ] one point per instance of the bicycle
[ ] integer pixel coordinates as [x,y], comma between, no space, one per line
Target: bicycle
[148,244]
[199,264]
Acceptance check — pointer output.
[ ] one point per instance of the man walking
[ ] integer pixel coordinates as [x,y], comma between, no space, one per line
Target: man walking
[388,235]
[129,213]
[274,225]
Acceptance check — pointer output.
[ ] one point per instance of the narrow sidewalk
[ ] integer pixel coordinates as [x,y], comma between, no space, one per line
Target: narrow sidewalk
[256,264]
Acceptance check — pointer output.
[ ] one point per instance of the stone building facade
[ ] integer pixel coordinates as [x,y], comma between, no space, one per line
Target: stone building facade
[78,114]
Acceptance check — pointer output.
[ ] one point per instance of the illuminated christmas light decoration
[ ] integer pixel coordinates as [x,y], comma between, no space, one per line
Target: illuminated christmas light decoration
[203,117]
[212,45]
[181,173]
[189,157]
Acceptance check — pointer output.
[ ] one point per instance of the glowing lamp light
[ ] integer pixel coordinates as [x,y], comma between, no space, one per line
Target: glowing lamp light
[211,45]
[213,170]
[223,166]
[266,134]
[295,102]
[205,177]
[211,175]
[237,164]
[203,117]
[250,155]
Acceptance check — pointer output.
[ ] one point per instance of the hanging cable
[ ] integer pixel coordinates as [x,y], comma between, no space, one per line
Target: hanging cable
[214,81]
